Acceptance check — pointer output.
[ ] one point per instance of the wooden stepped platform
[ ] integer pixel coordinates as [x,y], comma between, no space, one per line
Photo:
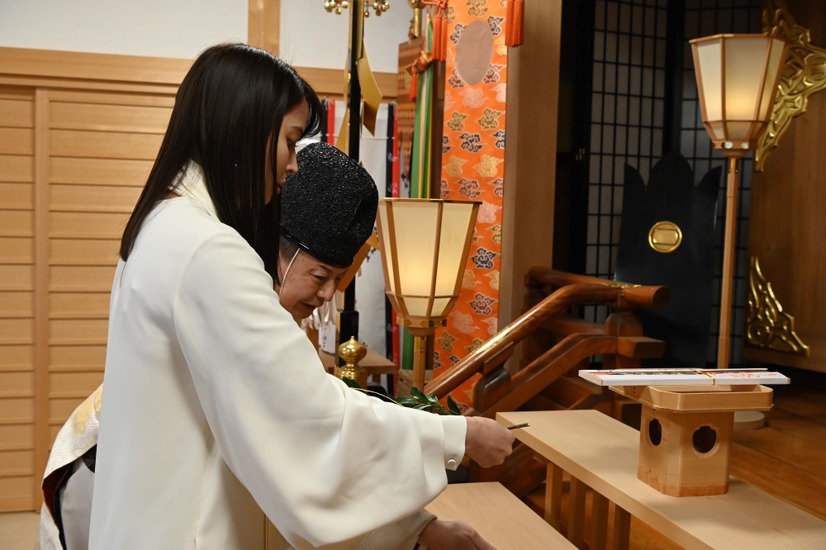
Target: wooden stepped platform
[784,458]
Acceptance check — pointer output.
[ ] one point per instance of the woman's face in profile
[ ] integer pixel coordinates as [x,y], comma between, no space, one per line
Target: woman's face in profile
[292,128]
[308,284]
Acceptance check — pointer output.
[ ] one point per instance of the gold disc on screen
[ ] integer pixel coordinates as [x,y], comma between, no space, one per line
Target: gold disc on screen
[665,237]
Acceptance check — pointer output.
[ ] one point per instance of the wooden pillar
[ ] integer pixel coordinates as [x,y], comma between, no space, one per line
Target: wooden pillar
[530,154]
[263,24]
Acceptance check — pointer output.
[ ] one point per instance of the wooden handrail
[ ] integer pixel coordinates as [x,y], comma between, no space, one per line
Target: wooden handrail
[635,295]
[484,358]
[495,351]
[572,290]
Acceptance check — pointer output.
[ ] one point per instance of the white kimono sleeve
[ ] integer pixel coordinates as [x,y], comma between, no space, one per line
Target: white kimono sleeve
[324,462]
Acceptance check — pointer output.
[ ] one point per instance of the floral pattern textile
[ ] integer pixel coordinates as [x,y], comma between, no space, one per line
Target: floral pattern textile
[473,168]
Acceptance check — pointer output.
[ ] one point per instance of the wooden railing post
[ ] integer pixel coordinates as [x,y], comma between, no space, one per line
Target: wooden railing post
[622,323]
[491,388]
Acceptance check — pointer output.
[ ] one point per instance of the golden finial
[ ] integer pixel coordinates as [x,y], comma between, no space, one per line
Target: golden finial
[353,351]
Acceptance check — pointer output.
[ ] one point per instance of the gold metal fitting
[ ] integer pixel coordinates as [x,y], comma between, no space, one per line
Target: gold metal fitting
[353,351]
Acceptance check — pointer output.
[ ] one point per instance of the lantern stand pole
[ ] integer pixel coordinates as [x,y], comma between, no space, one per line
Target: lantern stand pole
[349,317]
[729,251]
[420,355]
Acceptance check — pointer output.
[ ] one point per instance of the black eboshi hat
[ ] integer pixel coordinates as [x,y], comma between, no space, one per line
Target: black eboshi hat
[328,207]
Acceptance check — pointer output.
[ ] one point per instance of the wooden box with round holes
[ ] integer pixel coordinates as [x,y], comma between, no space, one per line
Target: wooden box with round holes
[686,432]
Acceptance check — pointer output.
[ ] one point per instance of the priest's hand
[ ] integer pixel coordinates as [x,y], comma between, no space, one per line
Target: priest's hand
[442,534]
[487,442]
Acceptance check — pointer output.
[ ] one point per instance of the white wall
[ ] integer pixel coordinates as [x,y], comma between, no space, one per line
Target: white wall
[309,36]
[156,28]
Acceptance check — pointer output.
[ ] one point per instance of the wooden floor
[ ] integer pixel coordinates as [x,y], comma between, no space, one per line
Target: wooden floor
[786,458]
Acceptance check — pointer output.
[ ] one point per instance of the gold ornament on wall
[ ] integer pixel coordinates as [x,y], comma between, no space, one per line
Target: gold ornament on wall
[665,237]
[767,325]
[804,73]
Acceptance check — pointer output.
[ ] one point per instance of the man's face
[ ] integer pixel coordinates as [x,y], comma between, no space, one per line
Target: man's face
[308,284]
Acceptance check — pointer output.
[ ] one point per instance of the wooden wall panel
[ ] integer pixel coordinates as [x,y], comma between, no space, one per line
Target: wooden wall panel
[110,145]
[16,357]
[95,116]
[87,225]
[16,110]
[16,168]
[83,305]
[15,436]
[13,488]
[15,330]
[16,141]
[17,408]
[90,171]
[77,331]
[92,198]
[16,383]
[16,298]
[15,277]
[16,251]
[76,358]
[73,160]
[16,196]
[16,223]
[81,278]
[16,304]
[18,462]
[83,252]
[73,384]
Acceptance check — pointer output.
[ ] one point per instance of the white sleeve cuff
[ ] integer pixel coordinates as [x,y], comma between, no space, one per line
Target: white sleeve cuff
[455,428]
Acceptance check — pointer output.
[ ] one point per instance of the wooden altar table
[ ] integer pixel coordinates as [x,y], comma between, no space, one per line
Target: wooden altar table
[602,453]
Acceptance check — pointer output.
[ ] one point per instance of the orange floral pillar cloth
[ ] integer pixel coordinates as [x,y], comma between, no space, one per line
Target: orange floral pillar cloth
[473,168]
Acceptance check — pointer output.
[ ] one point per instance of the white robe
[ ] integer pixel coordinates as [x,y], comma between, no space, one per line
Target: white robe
[80,433]
[216,409]
[77,435]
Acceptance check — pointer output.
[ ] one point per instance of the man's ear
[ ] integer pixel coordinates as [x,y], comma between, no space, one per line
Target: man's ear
[279,270]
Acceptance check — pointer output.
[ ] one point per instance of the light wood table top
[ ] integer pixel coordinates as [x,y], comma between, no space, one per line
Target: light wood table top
[603,453]
[502,519]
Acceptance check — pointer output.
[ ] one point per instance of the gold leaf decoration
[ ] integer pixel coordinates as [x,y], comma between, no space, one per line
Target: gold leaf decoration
[804,73]
[767,325]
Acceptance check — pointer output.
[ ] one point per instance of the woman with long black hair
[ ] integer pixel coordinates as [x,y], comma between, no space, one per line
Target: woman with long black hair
[212,416]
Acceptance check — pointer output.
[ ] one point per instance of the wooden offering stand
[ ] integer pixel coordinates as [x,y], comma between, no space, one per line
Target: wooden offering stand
[686,433]
[688,420]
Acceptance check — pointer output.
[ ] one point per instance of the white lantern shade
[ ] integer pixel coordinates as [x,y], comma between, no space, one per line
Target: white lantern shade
[737,78]
[424,245]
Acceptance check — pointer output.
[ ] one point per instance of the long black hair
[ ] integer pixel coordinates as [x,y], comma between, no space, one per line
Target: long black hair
[231,101]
